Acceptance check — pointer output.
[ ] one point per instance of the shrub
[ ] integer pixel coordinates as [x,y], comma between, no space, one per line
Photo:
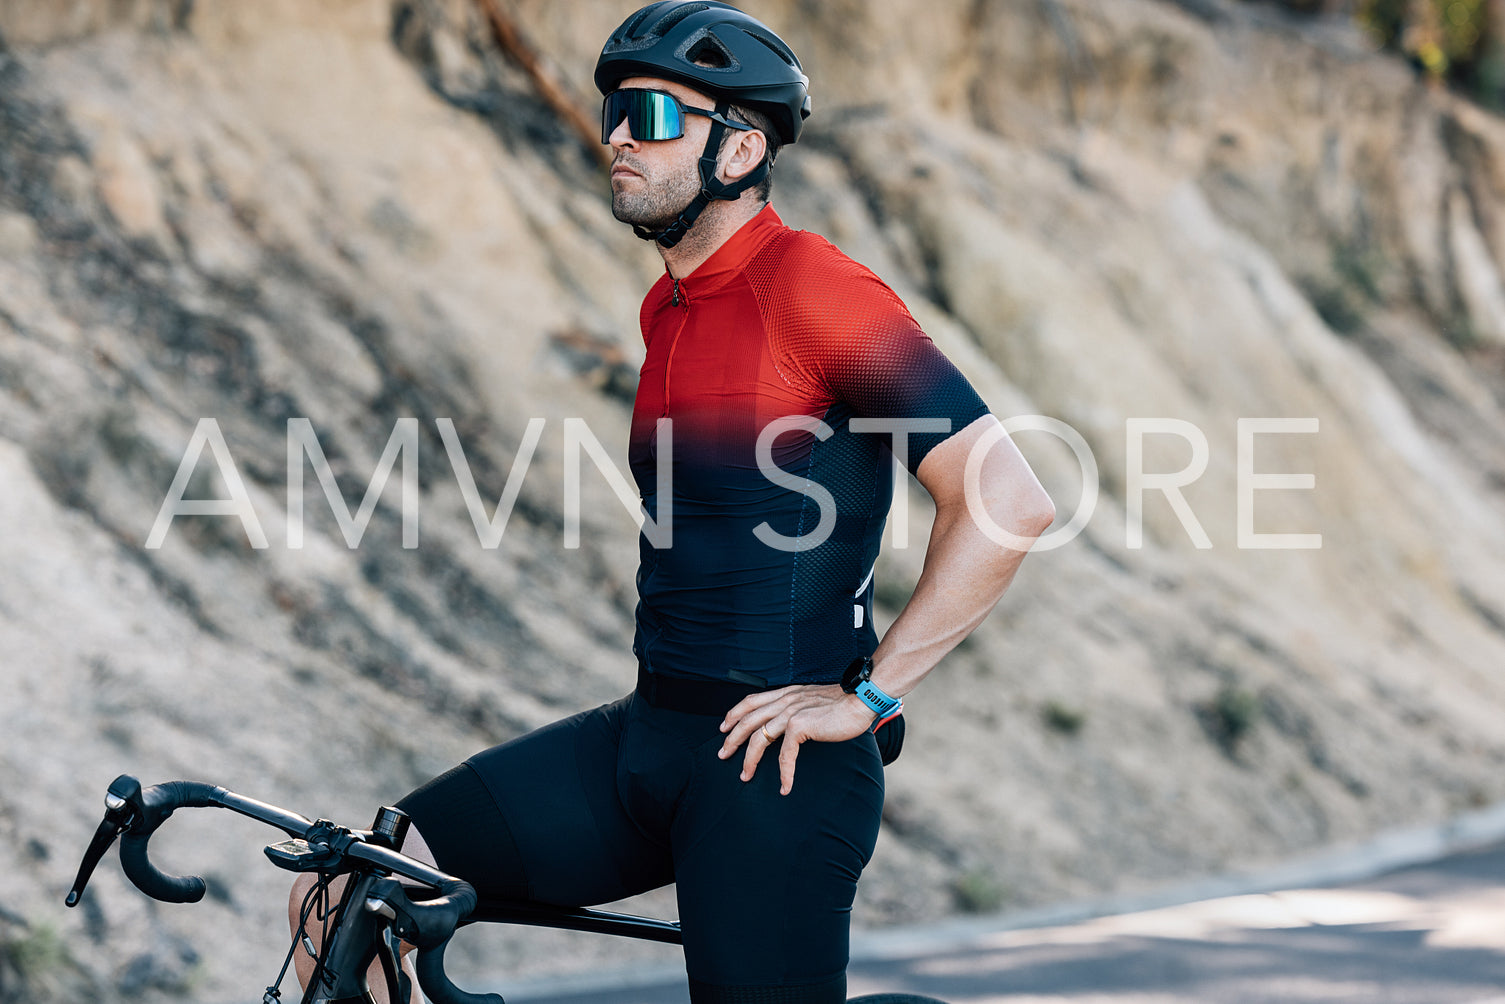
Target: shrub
[1062,718]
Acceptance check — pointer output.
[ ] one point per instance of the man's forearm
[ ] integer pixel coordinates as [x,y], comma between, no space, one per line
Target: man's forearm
[966,572]
[965,575]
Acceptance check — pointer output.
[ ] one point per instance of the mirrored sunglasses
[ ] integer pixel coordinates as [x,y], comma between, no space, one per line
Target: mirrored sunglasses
[652,115]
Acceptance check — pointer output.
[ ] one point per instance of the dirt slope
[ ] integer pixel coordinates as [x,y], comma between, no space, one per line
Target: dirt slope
[358,213]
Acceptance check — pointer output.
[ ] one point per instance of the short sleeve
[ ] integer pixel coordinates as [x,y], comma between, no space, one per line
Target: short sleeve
[835,325]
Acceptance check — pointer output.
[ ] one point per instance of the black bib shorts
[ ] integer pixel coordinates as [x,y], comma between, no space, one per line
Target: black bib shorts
[630,797]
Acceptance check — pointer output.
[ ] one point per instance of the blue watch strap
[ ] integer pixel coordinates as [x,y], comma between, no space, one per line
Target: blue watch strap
[876,700]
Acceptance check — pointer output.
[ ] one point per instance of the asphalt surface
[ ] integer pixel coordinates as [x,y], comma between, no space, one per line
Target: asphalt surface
[1427,934]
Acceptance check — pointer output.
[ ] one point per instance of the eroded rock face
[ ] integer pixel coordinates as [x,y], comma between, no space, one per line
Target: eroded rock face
[350,213]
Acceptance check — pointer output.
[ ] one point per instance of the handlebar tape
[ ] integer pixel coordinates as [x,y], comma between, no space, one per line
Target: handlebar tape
[435,982]
[429,925]
[152,807]
[157,884]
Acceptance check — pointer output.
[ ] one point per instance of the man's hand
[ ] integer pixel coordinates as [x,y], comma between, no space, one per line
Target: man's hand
[823,714]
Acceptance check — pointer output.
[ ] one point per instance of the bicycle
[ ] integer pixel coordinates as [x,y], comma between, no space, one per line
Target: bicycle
[375,911]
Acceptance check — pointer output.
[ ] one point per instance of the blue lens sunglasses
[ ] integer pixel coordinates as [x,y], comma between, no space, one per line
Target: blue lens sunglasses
[652,115]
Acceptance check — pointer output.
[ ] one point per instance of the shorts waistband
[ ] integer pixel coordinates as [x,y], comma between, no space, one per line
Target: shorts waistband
[694,697]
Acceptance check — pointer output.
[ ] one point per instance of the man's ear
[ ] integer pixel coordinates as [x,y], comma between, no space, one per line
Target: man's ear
[743,154]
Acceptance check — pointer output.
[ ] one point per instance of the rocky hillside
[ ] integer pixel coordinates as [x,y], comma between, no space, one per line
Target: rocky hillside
[359,212]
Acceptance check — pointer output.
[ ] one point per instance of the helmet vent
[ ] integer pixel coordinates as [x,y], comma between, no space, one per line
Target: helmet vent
[630,28]
[678,14]
[708,52]
[779,48]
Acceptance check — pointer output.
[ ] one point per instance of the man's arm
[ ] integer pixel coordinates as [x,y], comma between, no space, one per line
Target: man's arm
[965,574]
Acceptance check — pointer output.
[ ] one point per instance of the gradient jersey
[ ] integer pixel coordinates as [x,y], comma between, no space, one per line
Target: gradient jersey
[777,324]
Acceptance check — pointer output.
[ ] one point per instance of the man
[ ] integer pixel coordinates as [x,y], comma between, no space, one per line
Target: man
[790,375]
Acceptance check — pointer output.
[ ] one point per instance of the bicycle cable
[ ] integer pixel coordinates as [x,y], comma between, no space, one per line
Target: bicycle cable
[328,917]
[273,994]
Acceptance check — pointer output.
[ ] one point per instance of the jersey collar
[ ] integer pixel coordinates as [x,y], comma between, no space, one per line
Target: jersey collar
[738,250]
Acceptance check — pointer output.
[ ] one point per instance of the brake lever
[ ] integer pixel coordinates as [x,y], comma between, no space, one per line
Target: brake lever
[121,807]
[398,984]
[387,898]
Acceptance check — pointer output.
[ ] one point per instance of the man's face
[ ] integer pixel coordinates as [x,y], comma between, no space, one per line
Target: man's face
[652,182]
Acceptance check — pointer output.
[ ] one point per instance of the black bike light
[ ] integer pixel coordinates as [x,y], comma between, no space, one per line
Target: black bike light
[391,826]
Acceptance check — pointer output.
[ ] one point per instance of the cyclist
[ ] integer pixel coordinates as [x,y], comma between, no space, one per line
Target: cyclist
[792,377]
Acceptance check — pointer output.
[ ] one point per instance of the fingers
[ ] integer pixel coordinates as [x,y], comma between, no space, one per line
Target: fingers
[766,735]
[783,731]
[747,723]
[788,752]
[762,719]
[752,703]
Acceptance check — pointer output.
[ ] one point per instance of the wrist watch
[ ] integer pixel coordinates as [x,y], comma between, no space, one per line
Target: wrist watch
[857,679]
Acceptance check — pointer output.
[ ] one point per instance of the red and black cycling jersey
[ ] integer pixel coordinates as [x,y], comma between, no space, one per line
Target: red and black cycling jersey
[776,323]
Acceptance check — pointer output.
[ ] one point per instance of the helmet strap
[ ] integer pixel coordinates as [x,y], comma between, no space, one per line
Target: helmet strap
[711,188]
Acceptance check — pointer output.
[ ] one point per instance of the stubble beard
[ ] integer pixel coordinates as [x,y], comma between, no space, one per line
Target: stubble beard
[652,203]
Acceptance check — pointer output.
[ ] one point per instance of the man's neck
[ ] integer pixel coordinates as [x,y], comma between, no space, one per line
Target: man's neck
[714,228]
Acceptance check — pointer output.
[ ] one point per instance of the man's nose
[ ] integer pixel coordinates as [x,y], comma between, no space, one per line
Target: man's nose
[621,137]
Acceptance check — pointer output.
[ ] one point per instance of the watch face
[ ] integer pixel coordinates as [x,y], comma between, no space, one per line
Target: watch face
[856,672]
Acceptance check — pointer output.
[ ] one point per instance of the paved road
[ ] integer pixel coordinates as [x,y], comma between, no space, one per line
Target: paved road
[1431,934]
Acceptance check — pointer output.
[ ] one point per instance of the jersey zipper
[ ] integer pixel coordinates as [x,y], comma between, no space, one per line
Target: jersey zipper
[674,345]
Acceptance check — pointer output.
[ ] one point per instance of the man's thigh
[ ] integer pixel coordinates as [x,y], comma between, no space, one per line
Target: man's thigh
[766,881]
[538,818]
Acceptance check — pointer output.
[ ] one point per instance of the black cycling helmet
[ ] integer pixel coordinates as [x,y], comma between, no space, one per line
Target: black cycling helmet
[757,70]
[751,67]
